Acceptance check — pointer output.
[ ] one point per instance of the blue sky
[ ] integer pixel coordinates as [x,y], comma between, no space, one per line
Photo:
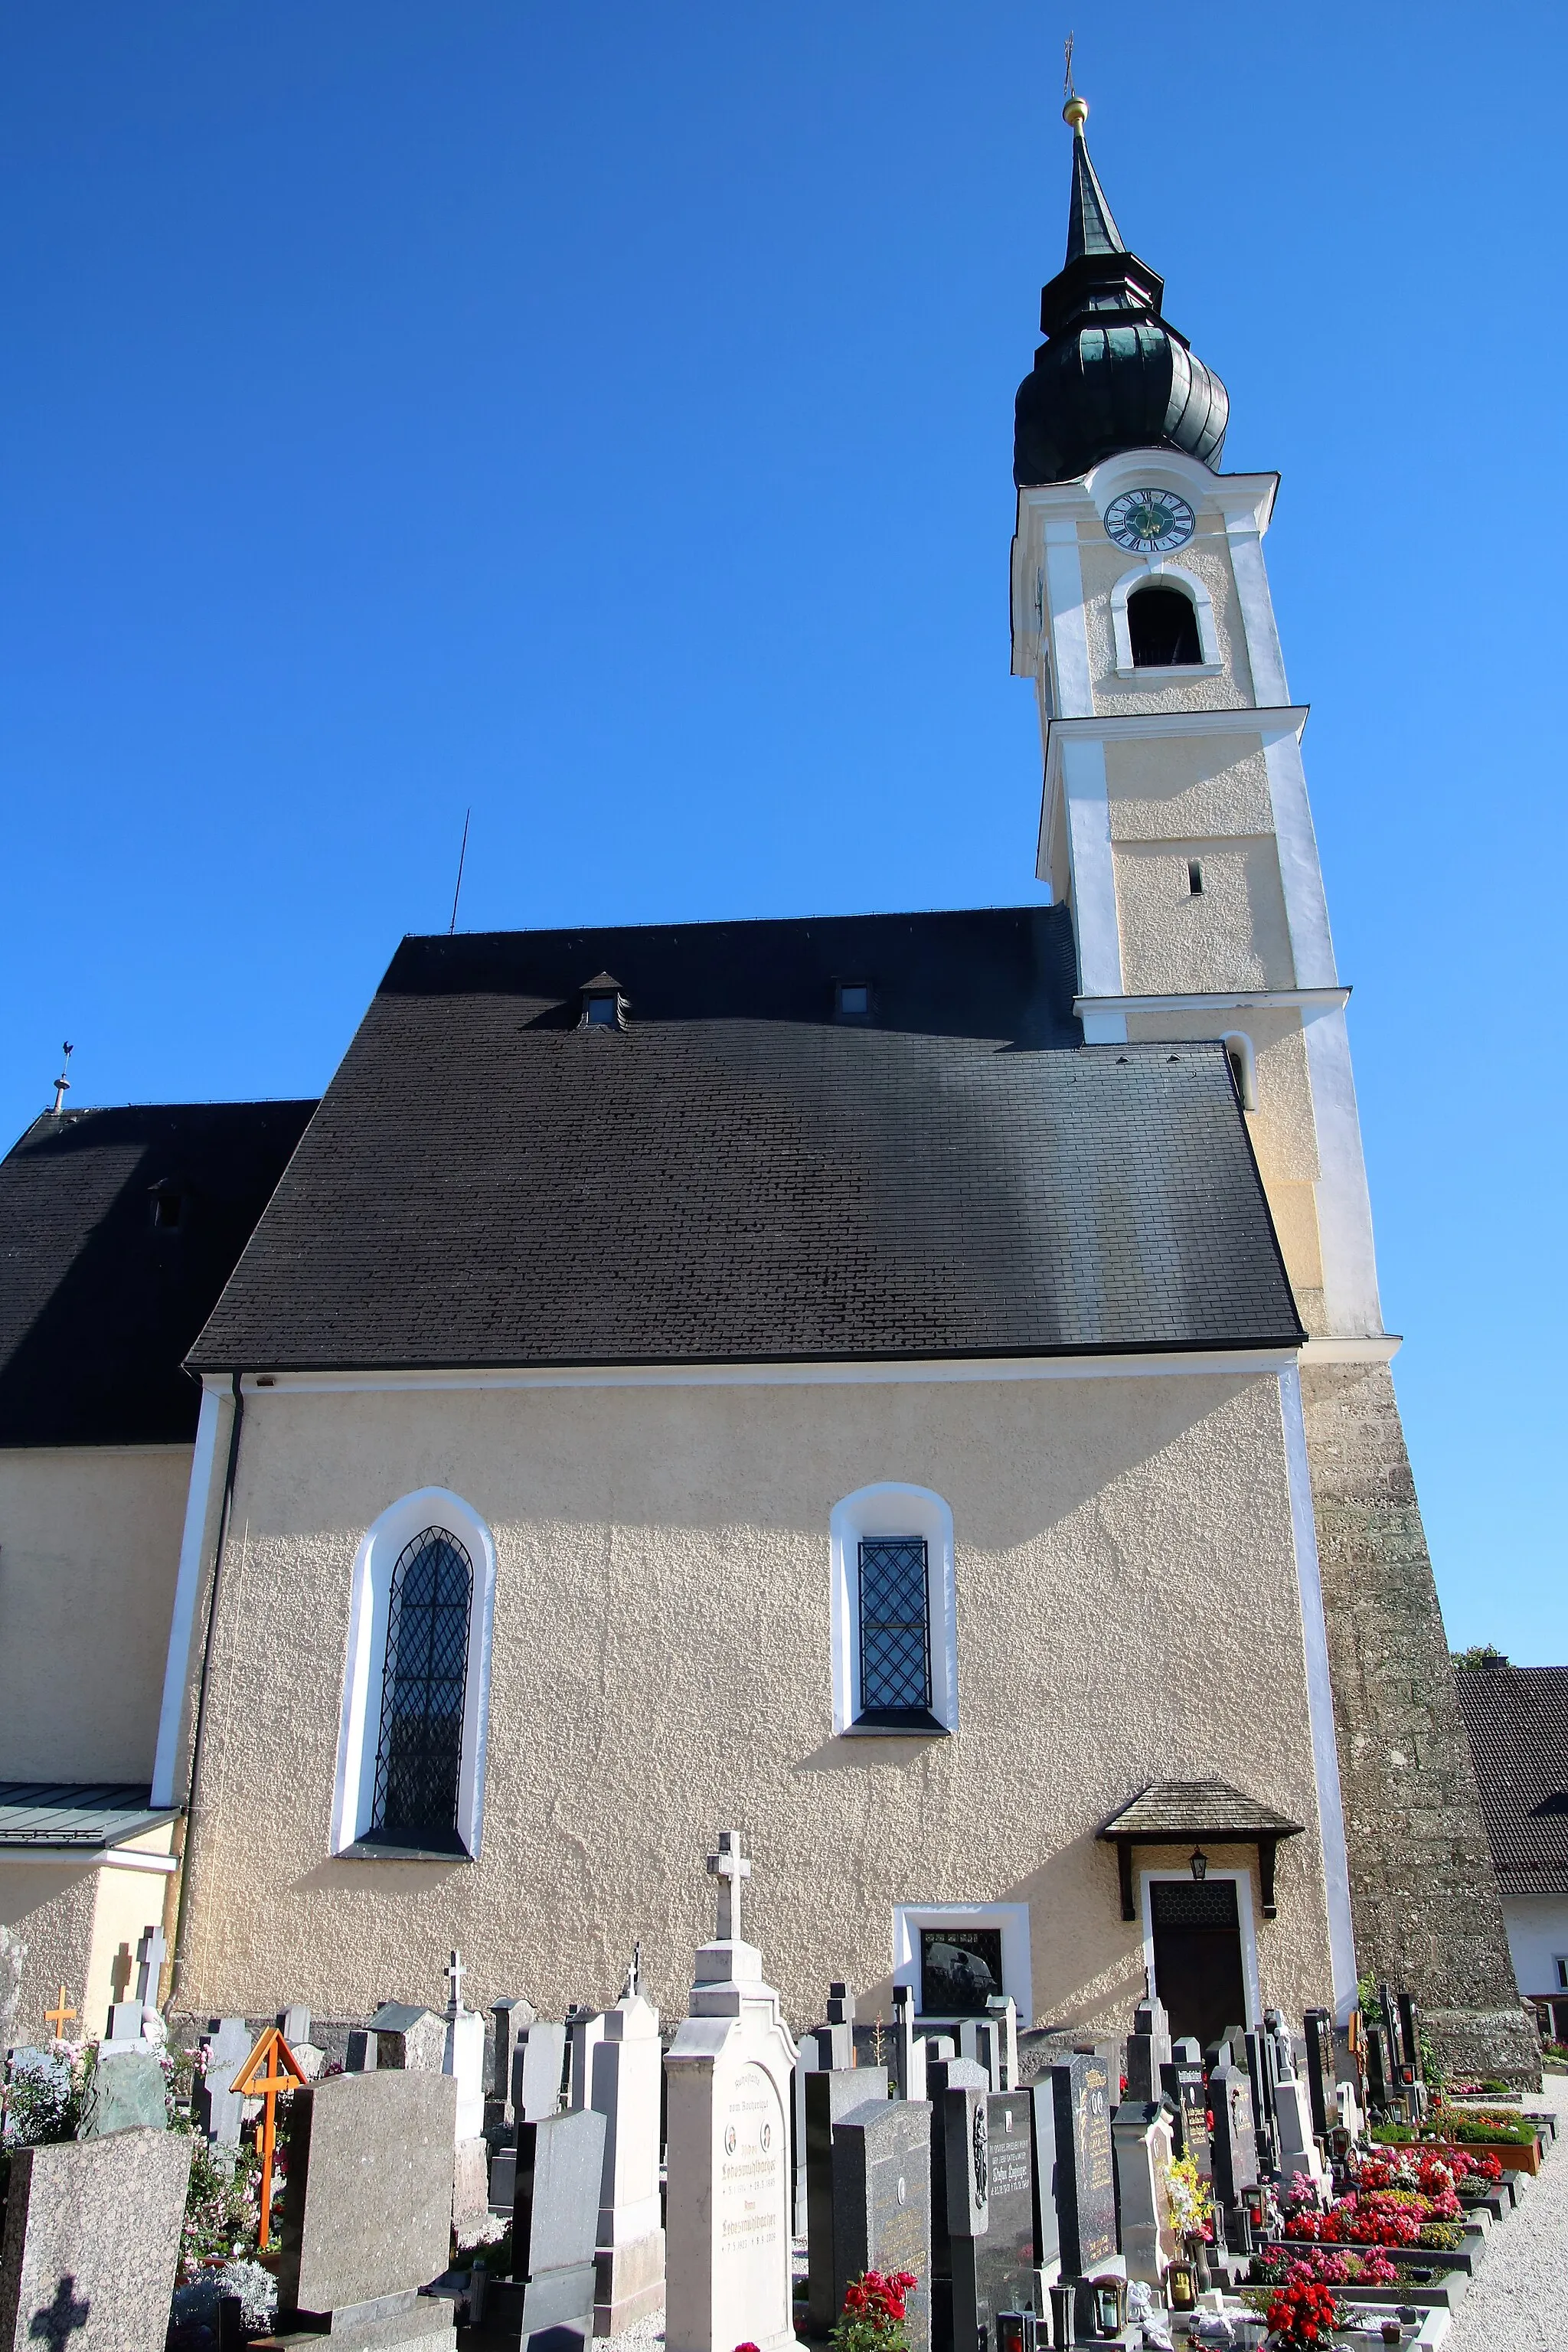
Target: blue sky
[601,416]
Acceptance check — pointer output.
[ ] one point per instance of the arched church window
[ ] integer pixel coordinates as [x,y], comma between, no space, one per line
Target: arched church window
[424,1684]
[1164,628]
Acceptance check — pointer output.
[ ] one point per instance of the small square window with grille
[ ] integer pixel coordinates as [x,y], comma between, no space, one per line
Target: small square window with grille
[895,1632]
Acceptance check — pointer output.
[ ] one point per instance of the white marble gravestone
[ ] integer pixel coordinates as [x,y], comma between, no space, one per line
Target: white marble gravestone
[1140,2137]
[628,2078]
[1293,2125]
[728,2210]
[463,2055]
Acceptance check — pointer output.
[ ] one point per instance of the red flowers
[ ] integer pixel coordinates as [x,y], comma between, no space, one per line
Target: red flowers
[1302,2312]
[874,2311]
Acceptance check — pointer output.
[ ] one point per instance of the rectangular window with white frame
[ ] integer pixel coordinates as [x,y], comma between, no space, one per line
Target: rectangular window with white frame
[895,1653]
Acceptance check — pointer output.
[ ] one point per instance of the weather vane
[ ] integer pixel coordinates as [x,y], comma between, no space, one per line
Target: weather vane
[62,1084]
[1067,89]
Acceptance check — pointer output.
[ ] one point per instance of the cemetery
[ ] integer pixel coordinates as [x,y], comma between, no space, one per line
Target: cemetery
[948,2178]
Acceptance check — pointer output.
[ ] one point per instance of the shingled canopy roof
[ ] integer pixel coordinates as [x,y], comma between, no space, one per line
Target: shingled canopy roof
[741,1175]
[1185,1812]
[117,1230]
[1517,1717]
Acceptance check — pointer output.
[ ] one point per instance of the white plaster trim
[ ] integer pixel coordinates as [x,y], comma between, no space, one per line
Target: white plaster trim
[1065,620]
[92,1858]
[1092,866]
[177,1658]
[1242,1880]
[1165,572]
[1300,869]
[1172,469]
[937,1370]
[353,1784]
[1380,1348]
[1272,721]
[890,1509]
[1224,1001]
[1238,1042]
[1013,1918]
[1264,656]
[1320,1697]
[1351,1298]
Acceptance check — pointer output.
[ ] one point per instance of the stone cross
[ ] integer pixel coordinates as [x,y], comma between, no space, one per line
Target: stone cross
[633,1985]
[150,1954]
[456,1972]
[729,1868]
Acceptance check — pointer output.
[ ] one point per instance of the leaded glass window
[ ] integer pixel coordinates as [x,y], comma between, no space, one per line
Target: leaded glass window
[420,1745]
[895,1629]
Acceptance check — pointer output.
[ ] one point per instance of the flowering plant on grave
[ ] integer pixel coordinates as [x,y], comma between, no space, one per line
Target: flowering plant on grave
[872,2319]
[1192,2206]
[1304,2312]
[39,2109]
[1329,2266]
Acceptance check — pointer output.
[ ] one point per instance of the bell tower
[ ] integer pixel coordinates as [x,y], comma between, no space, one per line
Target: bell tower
[1175,825]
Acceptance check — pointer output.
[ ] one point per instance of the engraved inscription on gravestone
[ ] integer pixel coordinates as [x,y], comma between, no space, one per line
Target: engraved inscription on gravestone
[750,2184]
[1086,2180]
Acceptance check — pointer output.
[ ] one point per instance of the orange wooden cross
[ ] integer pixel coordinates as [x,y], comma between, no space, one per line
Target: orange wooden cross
[271,2067]
[59,2016]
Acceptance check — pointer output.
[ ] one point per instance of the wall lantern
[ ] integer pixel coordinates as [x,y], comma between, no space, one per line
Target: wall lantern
[1199,1864]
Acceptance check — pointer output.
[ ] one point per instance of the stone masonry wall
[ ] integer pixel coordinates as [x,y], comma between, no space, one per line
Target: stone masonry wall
[1423,1895]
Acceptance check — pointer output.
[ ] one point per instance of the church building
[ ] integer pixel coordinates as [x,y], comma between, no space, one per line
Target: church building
[912,1387]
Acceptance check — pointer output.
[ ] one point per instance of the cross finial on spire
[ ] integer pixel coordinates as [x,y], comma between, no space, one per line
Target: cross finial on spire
[1067,89]
[62,1084]
[728,1868]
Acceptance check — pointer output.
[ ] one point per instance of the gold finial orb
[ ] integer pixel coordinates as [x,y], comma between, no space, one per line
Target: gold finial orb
[1075,112]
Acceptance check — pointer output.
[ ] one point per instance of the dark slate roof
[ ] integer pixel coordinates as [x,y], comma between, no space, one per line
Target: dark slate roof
[738,1176]
[1517,1721]
[1174,1811]
[99,1303]
[91,1815]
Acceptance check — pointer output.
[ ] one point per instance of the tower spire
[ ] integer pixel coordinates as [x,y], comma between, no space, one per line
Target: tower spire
[1091,228]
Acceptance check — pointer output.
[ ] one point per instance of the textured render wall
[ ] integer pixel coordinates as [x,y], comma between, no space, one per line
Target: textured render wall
[1184,787]
[49,1906]
[1207,557]
[89,1546]
[661,1667]
[1423,1892]
[1230,934]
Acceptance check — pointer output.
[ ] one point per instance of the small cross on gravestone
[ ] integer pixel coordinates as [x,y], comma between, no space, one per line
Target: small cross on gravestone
[728,1868]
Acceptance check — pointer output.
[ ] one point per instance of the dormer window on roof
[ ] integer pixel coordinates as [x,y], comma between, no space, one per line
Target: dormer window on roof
[852,1000]
[168,1207]
[604,1006]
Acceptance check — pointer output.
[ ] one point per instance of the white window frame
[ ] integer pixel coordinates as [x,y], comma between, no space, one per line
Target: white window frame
[1013,1918]
[890,1509]
[360,1726]
[1162,573]
[1238,1042]
[1243,1881]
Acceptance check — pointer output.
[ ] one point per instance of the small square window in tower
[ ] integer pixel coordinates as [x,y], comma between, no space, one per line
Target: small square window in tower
[1163,629]
[895,1632]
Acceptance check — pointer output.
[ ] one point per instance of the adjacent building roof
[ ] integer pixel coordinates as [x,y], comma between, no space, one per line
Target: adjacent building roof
[741,1174]
[1517,1721]
[89,1816]
[118,1230]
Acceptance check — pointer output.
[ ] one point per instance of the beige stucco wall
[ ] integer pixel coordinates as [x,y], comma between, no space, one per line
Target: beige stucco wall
[71,1919]
[1184,787]
[89,1546]
[1127,1611]
[1207,557]
[1231,934]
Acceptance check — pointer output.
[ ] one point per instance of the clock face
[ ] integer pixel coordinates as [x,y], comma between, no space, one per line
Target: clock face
[1149,522]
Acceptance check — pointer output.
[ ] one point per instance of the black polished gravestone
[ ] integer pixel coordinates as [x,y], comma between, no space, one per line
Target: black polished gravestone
[1260,2079]
[882,2203]
[1410,2069]
[995,2272]
[1321,2075]
[960,2184]
[1234,2147]
[1085,2178]
[1043,2124]
[1185,2089]
[831,2093]
[1380,2085]
[1148,2049]
[548,2301]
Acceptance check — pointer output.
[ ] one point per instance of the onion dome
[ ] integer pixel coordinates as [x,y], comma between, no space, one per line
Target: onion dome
[1112,374]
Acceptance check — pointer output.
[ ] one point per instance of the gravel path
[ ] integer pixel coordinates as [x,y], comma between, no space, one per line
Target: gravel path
[1519,2301]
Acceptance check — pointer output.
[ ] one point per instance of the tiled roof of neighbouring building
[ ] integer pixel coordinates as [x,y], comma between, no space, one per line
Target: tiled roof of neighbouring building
[740,1174]
[118,1230]
[1518,1722]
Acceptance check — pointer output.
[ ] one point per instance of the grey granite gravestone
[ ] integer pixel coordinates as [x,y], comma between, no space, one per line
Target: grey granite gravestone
[125,2093]
[538,2065]
[830,2092]
[1085,2175]
[366,2214]
[960,2184]
[1234,2150]
[408,2038]
[1140,2137]
[359,2058]
[820,2048]
[91,2241]
[1047,2230]
[995,2270]
[1186,2090]
[216,2110]
[1259,2074]
[882,2203]
[548,2301]
[1321,2074]
[510,2014]
[1148,2049]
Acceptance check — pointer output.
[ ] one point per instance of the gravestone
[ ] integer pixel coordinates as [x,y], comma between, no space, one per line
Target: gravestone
[538,2063]
[1321,2070]
[1003,2009]
[1296,2150]
[463,2055]
[960,2191]
[995,2270]
[830,2092]
[1047,2230]
[1235,2144]
[1393,2026]
[1379,2092]
[727,2205]
[1183,2085]
[882,2203]
[909,2049]
[409,2039]
[124,2094]
[510,2014]
[628,2078]
[91,2241]
[1085,2183]
[548,2302]
[1410,2069]
[981,2043]
[820,2048]
[367,2213]
[1148,2049]
[294,2022]
[359,2058]
[585,2031]
[1259,2075]
[1140,2134]
[216,2110]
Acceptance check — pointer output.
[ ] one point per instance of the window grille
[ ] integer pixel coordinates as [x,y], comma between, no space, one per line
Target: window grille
[895,1628]
[423,1687]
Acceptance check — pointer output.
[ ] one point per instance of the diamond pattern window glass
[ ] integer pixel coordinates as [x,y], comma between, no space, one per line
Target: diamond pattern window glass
[895,1627]
[420,1745]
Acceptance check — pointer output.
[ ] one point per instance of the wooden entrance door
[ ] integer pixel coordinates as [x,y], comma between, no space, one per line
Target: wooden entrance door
[1197,1955]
